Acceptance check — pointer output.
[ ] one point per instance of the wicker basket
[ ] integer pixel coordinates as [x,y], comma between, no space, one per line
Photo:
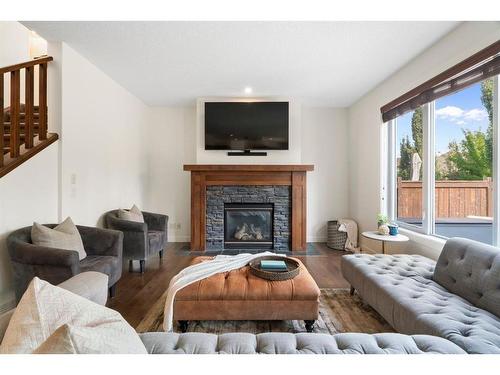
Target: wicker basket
[292,265]
[335,240]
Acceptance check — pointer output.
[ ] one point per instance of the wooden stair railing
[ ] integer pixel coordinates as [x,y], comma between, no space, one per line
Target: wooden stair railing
[23,126]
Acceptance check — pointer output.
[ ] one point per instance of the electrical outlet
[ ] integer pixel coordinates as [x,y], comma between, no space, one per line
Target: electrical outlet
[174,226]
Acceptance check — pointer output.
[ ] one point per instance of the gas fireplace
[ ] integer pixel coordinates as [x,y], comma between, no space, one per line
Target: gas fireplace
[248,225]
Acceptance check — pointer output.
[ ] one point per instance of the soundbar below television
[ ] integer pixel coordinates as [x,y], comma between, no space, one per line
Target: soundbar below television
[246,126]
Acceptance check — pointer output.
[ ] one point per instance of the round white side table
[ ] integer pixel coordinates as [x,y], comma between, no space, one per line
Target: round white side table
[374,235]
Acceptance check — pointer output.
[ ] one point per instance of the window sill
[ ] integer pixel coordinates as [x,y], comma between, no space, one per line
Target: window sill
[432,244]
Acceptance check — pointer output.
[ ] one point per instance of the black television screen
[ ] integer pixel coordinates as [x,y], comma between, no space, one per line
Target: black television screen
[246,125]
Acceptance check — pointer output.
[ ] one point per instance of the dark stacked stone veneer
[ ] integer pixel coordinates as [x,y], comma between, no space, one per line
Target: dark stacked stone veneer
[280,196]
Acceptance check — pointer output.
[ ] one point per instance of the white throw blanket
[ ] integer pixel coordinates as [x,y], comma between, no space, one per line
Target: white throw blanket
[351,228]
[200,271]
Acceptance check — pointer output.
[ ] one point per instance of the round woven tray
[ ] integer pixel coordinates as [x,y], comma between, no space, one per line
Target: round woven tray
[292,265]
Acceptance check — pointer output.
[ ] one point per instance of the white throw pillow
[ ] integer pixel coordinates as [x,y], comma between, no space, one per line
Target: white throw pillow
[93,328]
[60,342]
[64,236]
[69,339]
[134,214]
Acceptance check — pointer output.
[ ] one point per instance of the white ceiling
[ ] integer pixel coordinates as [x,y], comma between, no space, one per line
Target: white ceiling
[173,63]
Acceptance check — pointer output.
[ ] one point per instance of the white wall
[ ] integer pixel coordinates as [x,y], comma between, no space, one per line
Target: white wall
[320,137]
[103,158]
[365,122]
[324,144]
[27,194]
[171,140]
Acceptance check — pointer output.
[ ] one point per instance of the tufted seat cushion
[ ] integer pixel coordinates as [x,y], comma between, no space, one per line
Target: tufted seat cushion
[299,343]
[401,288]
[239,295]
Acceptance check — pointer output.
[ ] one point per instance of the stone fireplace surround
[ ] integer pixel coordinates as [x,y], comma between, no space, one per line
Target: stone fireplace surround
[218,195]
[267,181]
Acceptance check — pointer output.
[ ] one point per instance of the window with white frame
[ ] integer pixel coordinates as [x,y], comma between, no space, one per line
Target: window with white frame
[443,163]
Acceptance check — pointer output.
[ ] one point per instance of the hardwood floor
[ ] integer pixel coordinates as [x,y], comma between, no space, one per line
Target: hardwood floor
[136,293]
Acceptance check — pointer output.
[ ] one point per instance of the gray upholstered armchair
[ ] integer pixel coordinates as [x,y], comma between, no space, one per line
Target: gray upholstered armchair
[140,240]
[104,249]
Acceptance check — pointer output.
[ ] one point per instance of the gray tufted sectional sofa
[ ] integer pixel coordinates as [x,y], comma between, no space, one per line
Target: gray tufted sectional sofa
[93,285]
[456,298]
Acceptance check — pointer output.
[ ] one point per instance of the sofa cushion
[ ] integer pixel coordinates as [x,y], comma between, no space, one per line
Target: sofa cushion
[90,285]
[300,343]
[63,236]
[400,288]
[101,339]
[471,270]
[105,264]
[44,308]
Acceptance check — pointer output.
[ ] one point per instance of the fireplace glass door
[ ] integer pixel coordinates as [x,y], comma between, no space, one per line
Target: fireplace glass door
[248,225]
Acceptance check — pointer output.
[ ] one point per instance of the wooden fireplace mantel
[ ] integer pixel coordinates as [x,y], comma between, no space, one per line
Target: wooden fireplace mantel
[249,167]
[203,175]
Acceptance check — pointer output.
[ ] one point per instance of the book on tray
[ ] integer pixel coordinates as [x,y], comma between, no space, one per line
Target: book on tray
[273,265]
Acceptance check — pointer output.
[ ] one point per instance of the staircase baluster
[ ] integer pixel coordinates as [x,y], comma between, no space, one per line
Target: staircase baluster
[29,107]
[42,102]
[15,87]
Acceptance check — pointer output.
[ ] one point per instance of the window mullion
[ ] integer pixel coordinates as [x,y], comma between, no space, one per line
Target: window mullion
[496,164]
[428,180]
[391,171]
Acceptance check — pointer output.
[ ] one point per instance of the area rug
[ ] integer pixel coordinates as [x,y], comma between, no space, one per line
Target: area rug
[338,312]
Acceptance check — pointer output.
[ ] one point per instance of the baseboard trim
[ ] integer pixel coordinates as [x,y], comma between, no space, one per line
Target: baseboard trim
[316,239]
[179,239]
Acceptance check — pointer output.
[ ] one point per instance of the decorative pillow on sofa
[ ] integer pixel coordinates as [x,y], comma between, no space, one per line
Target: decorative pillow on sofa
[91,328]
[69,339]
[64,236]
[134,214]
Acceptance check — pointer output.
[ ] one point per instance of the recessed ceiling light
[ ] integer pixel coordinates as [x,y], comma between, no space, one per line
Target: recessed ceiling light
[248,90]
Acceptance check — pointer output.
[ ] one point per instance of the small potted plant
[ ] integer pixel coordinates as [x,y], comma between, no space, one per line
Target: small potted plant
[382,219]
[382,226]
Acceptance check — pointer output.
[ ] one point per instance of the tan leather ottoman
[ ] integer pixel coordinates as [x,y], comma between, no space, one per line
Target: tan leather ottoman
[239,295]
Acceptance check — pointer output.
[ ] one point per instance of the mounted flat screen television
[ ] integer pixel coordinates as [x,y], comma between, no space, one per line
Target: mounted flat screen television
[246,126]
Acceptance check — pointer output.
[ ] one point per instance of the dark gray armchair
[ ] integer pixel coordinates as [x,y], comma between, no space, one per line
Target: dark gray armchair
[104,249]
[140,240]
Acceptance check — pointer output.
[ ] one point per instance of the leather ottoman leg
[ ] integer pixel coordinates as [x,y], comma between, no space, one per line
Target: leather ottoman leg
[183,325]
[309,325]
